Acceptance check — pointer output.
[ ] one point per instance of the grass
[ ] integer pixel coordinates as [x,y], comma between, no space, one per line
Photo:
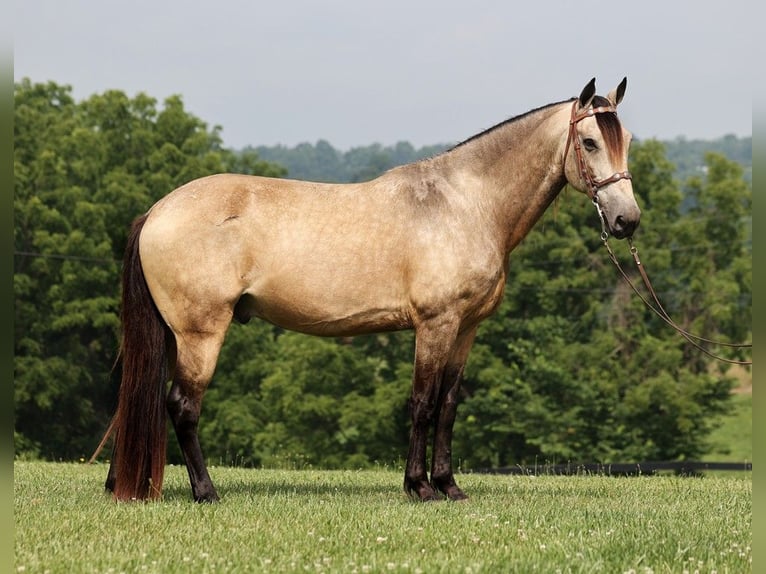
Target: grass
[732,440]
[361,521]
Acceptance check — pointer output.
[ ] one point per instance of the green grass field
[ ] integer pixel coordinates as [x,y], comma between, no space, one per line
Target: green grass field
[733,439]
[361,521]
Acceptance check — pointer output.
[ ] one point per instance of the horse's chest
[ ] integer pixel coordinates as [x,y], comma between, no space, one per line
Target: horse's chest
[472,295]
[487,297]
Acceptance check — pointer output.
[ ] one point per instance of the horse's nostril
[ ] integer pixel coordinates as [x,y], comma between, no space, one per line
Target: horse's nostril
[624,227]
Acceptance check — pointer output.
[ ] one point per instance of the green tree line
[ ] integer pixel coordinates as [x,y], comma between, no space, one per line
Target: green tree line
[572,367]
[322,162]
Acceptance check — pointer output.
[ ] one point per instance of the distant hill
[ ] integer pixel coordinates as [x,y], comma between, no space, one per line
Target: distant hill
[322,162]
[688,155]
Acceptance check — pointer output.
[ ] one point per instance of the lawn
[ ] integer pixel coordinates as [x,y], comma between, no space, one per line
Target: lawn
[361,521]
[732,440]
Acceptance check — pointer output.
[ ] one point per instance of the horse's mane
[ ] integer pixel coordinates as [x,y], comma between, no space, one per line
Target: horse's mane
[505,123]
[608,123]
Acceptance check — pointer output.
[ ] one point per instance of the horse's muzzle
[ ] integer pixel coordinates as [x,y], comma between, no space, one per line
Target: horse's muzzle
[623,227]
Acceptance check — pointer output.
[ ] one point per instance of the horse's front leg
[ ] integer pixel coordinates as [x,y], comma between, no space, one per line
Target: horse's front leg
[432,346]
[422,405]
[442,474]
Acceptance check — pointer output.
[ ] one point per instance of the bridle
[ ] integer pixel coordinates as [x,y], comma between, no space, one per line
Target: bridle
[593,186]
[573,138]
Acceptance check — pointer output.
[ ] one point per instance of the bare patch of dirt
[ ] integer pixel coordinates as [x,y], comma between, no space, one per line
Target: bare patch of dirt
[744,377]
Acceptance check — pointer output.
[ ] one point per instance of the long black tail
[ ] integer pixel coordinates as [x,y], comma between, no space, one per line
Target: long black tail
[139,424]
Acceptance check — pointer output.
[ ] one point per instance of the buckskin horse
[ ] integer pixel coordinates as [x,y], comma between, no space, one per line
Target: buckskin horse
[425,246]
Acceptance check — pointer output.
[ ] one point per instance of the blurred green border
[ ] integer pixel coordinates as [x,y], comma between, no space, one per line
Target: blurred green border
[6,296]
[759,272]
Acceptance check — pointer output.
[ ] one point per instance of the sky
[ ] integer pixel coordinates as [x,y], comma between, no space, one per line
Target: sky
[356,73]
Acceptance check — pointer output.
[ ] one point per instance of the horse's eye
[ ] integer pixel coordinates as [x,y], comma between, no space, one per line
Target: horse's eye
[589,144]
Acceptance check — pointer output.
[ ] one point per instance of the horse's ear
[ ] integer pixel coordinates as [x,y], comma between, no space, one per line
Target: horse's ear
[587,93]
[616,95]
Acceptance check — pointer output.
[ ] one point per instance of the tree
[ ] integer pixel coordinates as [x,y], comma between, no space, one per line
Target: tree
[83,172]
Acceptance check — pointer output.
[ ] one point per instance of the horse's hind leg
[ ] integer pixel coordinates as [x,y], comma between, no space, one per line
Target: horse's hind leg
[196,360]
[111,476]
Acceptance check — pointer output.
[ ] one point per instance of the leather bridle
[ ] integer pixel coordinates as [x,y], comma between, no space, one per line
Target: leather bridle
[593,184]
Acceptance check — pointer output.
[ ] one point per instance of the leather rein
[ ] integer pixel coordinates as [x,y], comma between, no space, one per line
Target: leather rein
[593,186]
[659,310]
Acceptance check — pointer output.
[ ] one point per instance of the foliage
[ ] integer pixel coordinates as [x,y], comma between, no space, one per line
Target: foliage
[571,367]
[351,521]
[322,162]
[732,439]
[688,155]
[83,172]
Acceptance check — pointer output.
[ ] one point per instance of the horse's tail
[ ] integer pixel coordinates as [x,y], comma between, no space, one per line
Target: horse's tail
[139,424]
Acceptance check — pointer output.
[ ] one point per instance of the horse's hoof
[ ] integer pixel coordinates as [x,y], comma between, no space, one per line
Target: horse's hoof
[457,496]
[451,490]
[422,491]
[208,497]
[431,497]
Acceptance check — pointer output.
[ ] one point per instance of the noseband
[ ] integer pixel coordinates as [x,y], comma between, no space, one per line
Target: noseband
[593,184]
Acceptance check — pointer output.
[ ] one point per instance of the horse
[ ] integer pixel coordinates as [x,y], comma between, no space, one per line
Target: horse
[424,246]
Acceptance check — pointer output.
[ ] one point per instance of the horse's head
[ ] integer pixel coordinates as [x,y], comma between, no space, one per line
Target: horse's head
[596,158]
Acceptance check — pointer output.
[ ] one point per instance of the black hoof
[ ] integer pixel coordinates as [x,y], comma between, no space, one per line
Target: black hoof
[450,489]
[421,490]
[206,496]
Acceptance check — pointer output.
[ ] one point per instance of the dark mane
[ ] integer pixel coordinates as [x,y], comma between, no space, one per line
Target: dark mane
[607,122]
[506,122]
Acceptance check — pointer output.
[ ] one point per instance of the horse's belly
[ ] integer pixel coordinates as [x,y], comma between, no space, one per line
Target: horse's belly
[324,311]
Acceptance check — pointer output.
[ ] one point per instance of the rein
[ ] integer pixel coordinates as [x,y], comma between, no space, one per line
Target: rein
[657,308]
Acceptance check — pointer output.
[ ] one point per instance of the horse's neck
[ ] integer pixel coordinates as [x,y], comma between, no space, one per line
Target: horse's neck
[519,168]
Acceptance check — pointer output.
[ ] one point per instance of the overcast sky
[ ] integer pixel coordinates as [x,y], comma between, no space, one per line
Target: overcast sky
[356,73]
